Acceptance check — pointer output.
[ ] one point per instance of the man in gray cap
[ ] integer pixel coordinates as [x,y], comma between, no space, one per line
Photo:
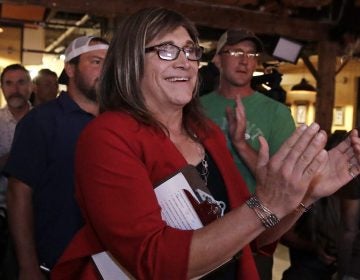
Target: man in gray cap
[43,213]
[236,57]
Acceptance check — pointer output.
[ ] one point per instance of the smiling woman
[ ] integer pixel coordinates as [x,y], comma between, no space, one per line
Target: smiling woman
[152,129]
[168,84]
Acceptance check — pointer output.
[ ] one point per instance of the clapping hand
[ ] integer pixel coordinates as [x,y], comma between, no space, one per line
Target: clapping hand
[341,166]
[284,179]
[302,171]
[237,128]
[237,122]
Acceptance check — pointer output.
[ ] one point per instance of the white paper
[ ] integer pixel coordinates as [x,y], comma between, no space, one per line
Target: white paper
[109,268]
[176,209]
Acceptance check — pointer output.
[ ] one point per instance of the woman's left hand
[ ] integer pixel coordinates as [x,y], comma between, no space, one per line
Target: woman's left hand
[341,166]
[355,142]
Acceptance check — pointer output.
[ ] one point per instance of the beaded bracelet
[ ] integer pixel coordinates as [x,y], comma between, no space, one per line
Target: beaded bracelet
[267,217]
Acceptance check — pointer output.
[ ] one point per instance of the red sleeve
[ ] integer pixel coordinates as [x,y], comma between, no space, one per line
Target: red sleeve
[116,195]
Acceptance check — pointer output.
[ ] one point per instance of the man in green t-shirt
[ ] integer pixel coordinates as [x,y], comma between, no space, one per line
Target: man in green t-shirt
[236,58]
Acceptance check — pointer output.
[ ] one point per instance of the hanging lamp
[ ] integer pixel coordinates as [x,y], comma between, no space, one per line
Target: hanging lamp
[304,85]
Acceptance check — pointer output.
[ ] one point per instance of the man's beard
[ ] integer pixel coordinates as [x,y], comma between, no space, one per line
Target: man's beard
[87,90]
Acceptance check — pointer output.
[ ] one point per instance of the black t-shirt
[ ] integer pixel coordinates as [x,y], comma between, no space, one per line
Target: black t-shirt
[216,185]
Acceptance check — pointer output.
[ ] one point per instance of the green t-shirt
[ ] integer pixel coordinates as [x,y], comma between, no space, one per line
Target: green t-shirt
[265,116]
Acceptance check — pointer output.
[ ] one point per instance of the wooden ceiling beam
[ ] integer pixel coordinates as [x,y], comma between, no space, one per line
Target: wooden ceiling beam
[220,16]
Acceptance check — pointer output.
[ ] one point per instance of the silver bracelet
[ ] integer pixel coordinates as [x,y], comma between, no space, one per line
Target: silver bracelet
[267,217]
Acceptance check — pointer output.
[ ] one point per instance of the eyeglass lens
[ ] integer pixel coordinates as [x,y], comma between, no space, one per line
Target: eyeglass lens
[241,53]
[171,52]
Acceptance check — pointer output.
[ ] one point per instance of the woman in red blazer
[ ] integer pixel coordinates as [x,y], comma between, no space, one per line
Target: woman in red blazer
[151,127]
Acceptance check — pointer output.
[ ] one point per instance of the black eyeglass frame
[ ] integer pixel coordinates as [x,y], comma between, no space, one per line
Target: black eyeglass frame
[157,49]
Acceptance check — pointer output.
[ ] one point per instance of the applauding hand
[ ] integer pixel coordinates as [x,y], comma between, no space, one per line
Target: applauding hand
[341,166]
[283,180]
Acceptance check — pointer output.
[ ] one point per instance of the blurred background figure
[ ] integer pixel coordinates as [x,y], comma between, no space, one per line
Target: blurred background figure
[349,241]
[316,252]
[312,242]
[42,212]
[209,78]
[46,87]
[349,238]
[269,84]
[16,88]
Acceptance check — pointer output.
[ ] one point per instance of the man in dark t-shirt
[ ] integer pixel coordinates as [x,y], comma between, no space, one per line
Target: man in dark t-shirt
[43,214]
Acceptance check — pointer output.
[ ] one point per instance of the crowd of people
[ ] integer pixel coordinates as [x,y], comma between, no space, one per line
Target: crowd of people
[41,210]
[82,169]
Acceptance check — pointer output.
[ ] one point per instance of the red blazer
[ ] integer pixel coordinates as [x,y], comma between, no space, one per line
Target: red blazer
[118,161]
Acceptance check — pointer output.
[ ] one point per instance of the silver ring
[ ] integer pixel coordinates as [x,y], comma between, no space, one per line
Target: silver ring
[352,174]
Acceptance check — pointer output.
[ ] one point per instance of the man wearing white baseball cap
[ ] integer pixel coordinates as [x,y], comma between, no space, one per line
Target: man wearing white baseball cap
[236,57]
[43,213]
[77,47]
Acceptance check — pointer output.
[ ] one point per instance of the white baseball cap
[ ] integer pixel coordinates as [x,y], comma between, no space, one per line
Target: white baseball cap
[77,47]
[82,45]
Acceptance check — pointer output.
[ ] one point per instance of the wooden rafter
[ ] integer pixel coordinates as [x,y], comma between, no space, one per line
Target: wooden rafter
[207,13]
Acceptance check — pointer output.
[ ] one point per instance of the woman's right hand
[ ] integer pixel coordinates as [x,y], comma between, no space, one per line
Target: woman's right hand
[283,180]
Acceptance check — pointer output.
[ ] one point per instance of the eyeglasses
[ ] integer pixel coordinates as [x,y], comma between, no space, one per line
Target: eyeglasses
[171,52]
[241,53]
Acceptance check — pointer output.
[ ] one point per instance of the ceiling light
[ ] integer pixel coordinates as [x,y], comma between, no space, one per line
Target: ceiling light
[304,85]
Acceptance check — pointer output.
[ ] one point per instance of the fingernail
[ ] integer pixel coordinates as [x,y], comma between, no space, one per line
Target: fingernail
[320,136]
[314,126]
[303,127]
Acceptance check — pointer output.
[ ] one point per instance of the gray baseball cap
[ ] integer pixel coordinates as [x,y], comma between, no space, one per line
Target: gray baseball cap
[234,36]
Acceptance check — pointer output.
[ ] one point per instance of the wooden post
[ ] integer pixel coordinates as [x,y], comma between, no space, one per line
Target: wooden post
[325,97]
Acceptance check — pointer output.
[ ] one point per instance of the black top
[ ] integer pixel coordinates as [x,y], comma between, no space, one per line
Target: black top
[216,185]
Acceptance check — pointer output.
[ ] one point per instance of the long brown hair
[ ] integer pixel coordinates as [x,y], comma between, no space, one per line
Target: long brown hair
[123,70]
